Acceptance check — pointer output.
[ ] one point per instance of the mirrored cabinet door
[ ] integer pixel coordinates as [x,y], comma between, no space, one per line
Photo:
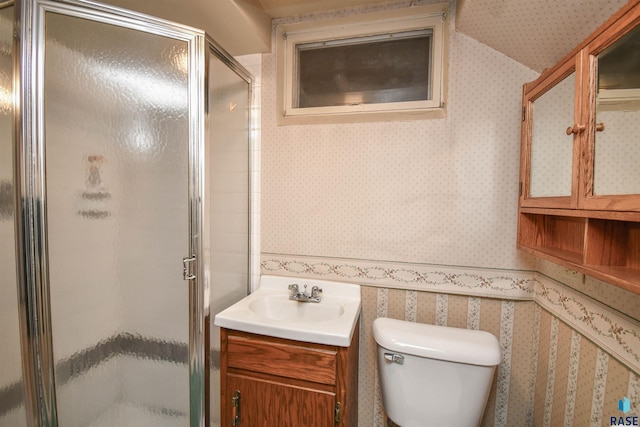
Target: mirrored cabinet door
[551,148]
[614,137]
[550,143]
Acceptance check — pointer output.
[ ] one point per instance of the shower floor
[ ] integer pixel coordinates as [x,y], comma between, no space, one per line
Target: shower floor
[124,415]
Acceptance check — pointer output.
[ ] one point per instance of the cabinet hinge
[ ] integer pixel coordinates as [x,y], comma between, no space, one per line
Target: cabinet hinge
[520,189]
[524,113]
[338,413]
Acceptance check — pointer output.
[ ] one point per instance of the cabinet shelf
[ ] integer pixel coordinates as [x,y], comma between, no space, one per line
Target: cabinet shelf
[584,213]
[606,249]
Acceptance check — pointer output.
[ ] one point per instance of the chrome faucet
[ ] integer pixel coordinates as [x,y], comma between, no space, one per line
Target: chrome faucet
[296,295]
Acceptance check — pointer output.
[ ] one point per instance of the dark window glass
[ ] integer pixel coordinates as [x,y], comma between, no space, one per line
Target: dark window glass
[364,71]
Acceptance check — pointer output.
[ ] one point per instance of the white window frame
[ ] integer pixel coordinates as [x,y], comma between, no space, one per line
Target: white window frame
[433,17]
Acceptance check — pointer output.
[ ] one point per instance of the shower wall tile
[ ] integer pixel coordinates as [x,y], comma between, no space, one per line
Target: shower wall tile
[154,385]
[253,63]
[10,330]
[14,418]
[82,401]
[84,294]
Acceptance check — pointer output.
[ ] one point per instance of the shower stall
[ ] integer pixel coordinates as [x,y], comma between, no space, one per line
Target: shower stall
[125,150]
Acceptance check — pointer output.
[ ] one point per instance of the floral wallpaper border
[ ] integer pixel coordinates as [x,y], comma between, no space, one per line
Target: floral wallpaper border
[614,333]
[505,284]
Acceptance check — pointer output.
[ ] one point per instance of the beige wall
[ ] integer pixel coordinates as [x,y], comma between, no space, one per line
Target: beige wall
[441,191]
[423,215]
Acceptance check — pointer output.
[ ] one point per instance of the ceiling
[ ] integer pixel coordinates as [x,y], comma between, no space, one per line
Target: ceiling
[536,33]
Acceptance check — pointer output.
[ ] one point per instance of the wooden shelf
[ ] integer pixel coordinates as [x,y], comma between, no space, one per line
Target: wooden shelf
[583,213]
[608,250]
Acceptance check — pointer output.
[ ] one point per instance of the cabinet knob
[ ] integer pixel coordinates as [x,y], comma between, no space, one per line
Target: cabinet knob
[576,129]
[599,127]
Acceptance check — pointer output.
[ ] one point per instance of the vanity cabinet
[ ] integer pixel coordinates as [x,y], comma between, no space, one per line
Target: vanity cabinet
[267,381]
[580,158]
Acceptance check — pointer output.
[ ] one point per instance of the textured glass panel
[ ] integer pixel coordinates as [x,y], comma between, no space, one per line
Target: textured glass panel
[551,147]
[116,144]
[12,410]
[364,71]
[617,149]
[227,154]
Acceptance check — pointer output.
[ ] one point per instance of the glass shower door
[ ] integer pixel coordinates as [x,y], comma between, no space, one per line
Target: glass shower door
[226,224]
[12,407]
[118,153]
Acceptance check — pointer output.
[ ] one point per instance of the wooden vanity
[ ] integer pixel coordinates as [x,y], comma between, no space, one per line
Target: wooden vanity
[267,382]
[580,159]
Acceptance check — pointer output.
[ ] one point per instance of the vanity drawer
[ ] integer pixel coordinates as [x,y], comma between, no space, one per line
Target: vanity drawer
[283,358]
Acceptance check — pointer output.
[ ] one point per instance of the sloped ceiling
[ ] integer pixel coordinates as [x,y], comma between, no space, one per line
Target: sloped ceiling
[536,33]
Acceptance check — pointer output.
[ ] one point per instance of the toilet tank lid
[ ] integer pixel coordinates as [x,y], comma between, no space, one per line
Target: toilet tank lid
[437,342]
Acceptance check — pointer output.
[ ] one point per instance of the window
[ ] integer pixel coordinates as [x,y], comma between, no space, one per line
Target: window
[381,66]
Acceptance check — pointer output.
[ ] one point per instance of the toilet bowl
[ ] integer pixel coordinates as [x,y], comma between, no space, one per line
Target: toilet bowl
[434,375]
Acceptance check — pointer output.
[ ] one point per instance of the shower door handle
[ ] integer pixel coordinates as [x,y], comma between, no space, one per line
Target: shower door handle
[186,268]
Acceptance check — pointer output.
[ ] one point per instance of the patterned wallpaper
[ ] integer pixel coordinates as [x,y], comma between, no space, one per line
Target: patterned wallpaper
[402,191]
[423,215]
[536,33]
[566,358]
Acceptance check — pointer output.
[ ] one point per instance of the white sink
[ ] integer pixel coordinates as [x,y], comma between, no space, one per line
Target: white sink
[268,311]
[279,307]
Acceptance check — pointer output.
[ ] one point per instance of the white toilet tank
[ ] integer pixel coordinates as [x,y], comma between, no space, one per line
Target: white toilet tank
[434,375]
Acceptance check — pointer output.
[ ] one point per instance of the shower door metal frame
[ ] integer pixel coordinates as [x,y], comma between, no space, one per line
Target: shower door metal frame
[213,48]
[31,223]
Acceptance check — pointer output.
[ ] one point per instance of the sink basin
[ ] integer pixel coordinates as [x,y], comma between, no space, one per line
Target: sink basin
[268,311]
[277,307]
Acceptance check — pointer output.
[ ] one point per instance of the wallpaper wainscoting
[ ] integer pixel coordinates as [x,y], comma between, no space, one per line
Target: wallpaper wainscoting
[566,359]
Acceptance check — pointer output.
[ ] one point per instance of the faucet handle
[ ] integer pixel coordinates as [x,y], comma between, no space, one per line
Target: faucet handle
[316,292]
[293,288]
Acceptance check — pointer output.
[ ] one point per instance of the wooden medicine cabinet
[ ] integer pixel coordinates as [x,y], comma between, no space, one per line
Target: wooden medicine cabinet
[580,159]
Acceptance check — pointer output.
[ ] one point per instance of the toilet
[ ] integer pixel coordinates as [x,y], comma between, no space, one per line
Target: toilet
[434,375]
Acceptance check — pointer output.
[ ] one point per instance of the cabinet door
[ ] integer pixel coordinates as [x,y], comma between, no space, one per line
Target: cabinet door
[613,146]
[552,130]
[265,403]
